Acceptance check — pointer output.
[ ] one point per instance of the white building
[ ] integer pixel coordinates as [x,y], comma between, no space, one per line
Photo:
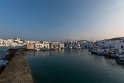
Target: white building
[79,44]
[61,45]
[116,43]
[3,42]
[42,45]
[31,42]
[11,42]
[72,44]
[57,45]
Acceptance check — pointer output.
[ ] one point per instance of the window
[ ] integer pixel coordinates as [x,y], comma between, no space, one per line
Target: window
[122,47]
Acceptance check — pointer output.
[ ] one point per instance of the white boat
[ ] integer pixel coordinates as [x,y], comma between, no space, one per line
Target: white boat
[37,49]
[114,53]
[121,56]
[100,51]
[70,47]
[94,51]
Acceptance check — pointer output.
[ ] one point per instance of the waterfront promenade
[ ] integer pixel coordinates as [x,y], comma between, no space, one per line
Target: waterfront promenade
[17,71]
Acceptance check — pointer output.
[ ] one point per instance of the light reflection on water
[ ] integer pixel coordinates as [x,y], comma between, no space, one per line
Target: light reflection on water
[74,66]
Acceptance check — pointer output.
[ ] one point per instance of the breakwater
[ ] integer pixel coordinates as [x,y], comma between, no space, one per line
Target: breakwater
[17,70]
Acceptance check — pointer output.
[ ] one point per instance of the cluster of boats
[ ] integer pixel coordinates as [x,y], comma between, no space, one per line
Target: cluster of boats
[108,52]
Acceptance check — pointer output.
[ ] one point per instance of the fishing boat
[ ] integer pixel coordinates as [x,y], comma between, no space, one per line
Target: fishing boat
[94,51]
[114,53]
[70,47]
[106,52]
[121,56]
[37,49]
[46,49]
[100,51]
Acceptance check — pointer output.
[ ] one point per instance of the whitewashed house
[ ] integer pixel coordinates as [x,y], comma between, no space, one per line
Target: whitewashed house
[61,45]
[42,45]
[17,42]
[69,44]
[72,44]
[57,45]
[11,42]
[82,43]
[116,43]
[31,42]
[3,42]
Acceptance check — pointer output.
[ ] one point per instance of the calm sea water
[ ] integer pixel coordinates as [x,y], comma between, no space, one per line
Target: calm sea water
[74,66]
[3,52]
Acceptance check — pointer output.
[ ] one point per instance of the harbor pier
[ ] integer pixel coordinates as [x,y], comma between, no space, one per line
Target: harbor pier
[17,70]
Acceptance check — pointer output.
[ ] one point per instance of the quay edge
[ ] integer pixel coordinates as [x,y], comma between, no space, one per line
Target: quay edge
[17,70]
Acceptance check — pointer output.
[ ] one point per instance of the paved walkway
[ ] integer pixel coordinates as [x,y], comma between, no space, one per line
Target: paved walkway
[17,71]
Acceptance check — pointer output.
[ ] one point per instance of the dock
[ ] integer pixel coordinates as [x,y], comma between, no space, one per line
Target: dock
[17,70]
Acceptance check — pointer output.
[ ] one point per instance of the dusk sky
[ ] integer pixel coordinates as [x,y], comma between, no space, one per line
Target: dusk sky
[61,19]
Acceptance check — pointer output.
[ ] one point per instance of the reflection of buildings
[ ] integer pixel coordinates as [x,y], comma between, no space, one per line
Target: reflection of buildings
[44,53]
[57,52]
[29,54]
[110,61]
[37,53]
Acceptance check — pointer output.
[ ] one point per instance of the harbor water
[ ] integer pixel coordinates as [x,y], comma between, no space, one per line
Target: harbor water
[3,52]
[74,66]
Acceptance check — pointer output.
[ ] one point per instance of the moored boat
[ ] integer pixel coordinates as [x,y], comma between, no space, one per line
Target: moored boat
[113,53]
[94,51]
[121,56]
[37,49]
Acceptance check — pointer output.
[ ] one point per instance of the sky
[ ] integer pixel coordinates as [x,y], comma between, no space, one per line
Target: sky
[62,19]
